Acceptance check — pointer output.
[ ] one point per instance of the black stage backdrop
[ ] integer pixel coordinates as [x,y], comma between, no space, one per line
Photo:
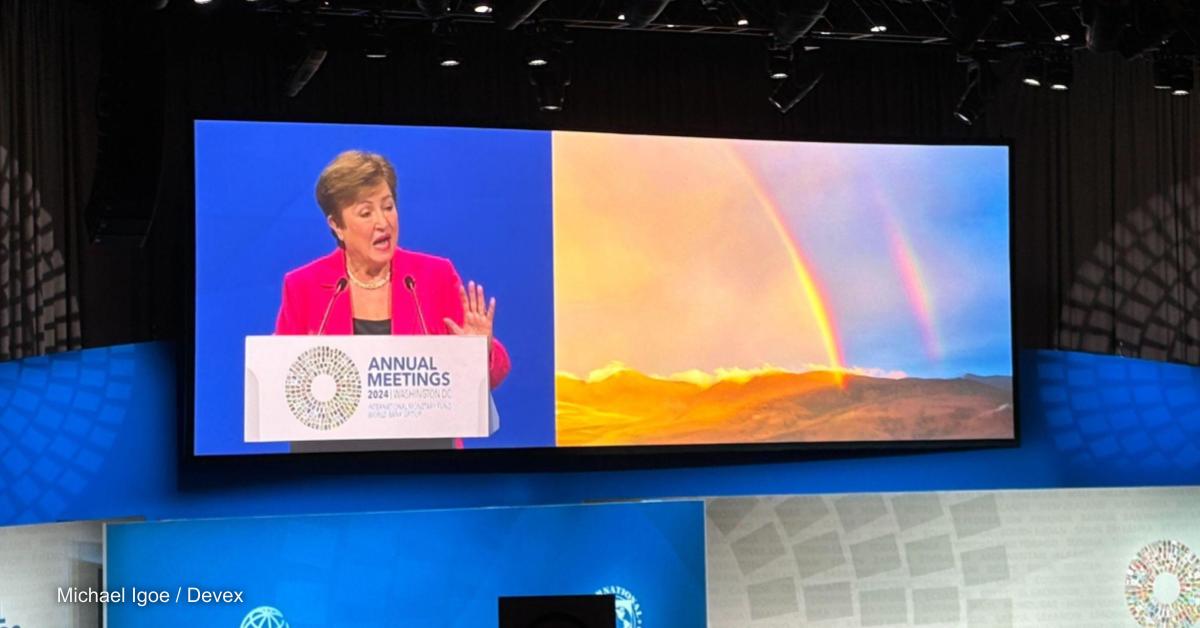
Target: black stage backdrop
[40,184]
[1106,203]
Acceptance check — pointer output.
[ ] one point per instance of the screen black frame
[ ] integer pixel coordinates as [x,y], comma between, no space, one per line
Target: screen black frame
[543,459]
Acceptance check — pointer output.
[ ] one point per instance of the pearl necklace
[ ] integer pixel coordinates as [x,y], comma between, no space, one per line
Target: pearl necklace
[370,285]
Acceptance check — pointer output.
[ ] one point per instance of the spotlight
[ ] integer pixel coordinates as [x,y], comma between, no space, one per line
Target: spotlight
[743,21]
[1182,79]
[1162,73]
[1061,37]
[1033,73]
[550,85]
[879,28]
[448,54]
[539,52]
[1173,72]
[802,78]
[482,8]
[202,1]
[375,45]
[1059,74]
[621,17]
[544,46]
[779,62]
[549,66]
[970,106]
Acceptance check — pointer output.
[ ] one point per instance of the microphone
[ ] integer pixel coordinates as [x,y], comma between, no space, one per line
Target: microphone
[337,290]
[411,285]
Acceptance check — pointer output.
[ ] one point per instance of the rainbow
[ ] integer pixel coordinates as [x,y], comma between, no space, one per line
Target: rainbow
[915,287]
[809,286]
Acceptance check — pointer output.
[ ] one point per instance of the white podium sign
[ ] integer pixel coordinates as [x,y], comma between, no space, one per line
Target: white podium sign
[320,388]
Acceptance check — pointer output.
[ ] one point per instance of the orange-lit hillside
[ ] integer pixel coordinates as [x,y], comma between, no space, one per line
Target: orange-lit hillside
[625,407]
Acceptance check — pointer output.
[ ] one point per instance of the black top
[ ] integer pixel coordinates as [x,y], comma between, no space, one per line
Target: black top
[372,328]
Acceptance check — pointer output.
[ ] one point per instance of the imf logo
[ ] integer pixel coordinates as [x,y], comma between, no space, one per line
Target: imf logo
[323,388]
[1162,586]
[264,617]
[4,622]
[629,612]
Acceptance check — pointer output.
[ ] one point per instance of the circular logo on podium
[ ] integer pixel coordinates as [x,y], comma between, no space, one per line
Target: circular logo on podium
[1162,585]
[264,617]
[323,388]
[629,612]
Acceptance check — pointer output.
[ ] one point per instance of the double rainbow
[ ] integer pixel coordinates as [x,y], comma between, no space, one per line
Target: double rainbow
[903,254]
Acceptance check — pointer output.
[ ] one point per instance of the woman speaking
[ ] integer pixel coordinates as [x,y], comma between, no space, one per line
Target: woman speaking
[370,286]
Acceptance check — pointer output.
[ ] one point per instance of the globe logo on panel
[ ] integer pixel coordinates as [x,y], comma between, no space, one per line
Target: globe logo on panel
[323,388]
[264,617]
[4,622]
[629,612]
[1162,586]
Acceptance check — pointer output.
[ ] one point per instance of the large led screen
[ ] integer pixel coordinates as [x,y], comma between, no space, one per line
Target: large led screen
[613,290]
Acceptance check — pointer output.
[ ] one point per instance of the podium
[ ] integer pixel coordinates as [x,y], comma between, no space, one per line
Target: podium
[559,611]
[329,388]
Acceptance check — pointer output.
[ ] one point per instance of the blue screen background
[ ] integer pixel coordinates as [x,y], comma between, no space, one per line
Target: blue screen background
[480,197]
[430,568]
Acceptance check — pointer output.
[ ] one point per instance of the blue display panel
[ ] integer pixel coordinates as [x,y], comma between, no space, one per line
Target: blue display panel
[92,435]
[425,568]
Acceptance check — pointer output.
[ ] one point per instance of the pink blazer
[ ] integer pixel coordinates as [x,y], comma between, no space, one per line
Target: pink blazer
[308,289]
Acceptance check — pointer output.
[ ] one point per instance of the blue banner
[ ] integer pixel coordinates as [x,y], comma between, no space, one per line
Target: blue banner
[422,568]
[92,435]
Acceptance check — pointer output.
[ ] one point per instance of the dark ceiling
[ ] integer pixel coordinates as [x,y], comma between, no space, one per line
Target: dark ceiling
[1129,27]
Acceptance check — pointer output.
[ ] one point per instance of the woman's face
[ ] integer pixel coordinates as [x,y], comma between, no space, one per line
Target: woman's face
[368,226]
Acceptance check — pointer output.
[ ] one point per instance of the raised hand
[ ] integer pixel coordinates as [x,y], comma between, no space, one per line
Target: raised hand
[478,313]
